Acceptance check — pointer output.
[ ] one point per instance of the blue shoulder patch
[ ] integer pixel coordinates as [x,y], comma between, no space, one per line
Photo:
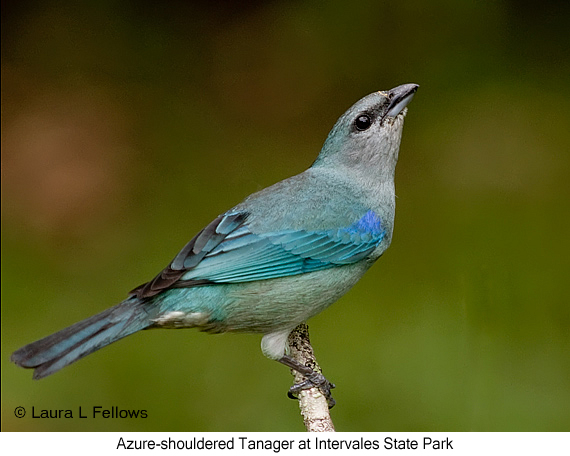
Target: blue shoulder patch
[370,224]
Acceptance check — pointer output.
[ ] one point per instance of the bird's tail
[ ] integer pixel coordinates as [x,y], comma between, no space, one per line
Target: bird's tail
[52,353]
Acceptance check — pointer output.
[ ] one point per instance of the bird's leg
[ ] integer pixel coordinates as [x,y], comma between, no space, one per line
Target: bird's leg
[313,379]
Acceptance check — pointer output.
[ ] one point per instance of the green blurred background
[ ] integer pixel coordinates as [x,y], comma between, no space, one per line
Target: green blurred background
[129,125]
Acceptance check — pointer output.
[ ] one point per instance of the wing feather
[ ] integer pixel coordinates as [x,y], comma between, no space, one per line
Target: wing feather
[226,251]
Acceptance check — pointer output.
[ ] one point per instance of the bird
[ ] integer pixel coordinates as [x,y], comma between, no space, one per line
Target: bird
[278,258]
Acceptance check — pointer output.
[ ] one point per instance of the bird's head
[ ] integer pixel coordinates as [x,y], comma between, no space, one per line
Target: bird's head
[368,135]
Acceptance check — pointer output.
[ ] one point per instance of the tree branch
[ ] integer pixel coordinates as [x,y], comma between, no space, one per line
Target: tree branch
[313,404]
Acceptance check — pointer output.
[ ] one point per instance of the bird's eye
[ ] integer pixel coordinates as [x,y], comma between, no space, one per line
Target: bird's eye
[363,122]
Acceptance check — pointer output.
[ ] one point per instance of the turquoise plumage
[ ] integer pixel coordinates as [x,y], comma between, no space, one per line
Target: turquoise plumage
[244,256]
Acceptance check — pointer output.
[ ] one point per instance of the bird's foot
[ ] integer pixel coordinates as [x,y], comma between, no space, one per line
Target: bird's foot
[313,379]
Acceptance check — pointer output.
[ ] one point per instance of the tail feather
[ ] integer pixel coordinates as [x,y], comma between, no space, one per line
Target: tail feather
[54,352]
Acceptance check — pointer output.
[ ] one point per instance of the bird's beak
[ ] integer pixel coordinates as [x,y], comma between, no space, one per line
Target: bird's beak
[400,97]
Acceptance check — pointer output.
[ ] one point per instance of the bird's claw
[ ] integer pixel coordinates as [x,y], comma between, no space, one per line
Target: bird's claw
[314,380]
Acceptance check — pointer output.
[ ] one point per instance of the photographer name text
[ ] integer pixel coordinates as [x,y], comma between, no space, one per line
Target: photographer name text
[96,411]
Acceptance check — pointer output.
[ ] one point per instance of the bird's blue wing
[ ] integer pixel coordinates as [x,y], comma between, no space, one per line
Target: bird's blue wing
[226,251]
